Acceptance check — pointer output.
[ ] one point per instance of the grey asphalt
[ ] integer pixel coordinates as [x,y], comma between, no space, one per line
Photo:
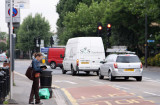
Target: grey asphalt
[148,88]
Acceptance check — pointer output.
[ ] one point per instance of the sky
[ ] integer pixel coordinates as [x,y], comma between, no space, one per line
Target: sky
[45,7]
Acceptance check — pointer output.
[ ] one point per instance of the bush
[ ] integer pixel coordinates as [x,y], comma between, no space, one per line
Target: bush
[152,61]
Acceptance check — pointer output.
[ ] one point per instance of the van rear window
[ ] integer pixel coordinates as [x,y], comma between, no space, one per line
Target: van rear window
[127,59]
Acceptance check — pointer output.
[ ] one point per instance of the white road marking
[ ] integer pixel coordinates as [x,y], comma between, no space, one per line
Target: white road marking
[96,81]
[146,78]
[120,87]
[66,82]
[152,94]
[153,81]
[20,74]
[80,78]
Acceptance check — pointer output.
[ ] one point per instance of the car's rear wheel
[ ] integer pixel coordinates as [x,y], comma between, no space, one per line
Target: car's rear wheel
[111,78]
[97,72]
[63,71]
[53,65]
[100,76]
[73,71]
[139,78]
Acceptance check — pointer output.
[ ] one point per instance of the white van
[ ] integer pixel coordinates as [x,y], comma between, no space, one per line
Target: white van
[83,54]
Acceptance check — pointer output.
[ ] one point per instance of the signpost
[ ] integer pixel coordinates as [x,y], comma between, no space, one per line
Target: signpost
[16,13]
[23,4]
[150,41]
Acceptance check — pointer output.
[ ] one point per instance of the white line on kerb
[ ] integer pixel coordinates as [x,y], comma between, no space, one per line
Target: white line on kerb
[152,94]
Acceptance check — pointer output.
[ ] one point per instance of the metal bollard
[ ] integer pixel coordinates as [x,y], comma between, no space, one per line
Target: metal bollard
[1,88]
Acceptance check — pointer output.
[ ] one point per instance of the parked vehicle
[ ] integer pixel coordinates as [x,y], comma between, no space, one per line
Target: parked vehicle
[53,58]
[121,65]
[3,58]
[83,54]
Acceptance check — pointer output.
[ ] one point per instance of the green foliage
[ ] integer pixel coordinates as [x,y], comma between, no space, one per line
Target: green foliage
[152,61]
[126,16]
[33,27]
[3,35]
[3,46]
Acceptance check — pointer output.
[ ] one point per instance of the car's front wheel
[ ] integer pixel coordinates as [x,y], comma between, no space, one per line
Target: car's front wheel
[100,76]
[73,71]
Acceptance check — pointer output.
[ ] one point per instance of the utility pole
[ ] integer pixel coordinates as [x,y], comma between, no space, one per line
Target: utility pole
[11,56]
[146,44]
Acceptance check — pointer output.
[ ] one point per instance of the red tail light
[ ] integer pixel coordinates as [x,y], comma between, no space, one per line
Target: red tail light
[77,62]
[115,65]
[141,65]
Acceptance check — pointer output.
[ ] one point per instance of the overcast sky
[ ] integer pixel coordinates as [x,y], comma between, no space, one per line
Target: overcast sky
[46,7]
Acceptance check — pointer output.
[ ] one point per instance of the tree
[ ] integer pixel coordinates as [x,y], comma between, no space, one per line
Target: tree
[3,47]
[33,27]
[3,35]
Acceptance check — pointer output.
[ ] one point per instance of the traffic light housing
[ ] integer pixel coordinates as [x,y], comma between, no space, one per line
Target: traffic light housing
[39,40]
[108,30]
[99,27]
[51,41]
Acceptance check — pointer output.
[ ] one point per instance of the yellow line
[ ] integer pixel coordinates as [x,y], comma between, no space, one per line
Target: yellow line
[71,99]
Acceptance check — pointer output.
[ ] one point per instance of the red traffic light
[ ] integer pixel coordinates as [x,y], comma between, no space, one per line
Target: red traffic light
[99,27]
[108,25]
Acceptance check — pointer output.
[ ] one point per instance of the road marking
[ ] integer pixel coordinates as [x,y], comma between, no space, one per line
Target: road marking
[96,81]
[66,82]
[80,78]
[146,78]
[120,87]
[153,81]
[55,86]
[20,74]
[152,94]
[72,100]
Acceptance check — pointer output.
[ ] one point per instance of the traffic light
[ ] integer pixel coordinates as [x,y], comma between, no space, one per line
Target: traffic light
[35,41]
[39,40]
[99,28]
[108,30]
[51,41]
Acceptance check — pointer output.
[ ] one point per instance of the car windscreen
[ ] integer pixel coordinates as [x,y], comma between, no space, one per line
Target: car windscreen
[127,59]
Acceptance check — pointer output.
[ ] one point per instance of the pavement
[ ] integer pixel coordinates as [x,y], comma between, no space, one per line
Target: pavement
[22,88]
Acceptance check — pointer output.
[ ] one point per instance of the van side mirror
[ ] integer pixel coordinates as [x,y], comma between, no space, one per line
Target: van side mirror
[61,56]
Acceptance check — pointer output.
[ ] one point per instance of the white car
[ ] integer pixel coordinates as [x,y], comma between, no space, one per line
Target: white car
[121,65]
[83,54]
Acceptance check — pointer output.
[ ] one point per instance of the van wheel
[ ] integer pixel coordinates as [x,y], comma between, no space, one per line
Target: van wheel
[111,78]
[100,76]
[73,72]
[139,78]
[97,72]
[63,71]
[87,72]
[53,65]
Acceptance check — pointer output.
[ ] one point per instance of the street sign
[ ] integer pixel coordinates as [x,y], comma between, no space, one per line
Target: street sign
[150,41]
[16,12]
[21,4]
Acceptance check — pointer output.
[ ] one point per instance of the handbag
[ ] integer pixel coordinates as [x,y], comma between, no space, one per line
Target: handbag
[30,73]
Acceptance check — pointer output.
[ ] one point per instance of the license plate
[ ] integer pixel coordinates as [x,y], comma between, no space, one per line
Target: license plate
[128,69]
[84,62]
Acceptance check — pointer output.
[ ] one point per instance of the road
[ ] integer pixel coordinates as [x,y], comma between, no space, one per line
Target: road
[89,90]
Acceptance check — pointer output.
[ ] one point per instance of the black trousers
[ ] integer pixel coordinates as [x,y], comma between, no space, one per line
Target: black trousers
[35,90]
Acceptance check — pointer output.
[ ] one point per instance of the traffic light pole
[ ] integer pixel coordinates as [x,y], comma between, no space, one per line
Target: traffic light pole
[146,45]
